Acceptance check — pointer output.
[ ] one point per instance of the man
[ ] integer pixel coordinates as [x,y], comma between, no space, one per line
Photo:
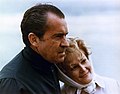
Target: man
[32,71]
[78,74]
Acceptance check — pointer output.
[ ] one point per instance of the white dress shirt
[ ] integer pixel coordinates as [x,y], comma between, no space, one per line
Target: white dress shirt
[104,85]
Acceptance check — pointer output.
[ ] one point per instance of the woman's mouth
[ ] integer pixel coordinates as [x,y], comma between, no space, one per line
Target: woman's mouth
[84,75]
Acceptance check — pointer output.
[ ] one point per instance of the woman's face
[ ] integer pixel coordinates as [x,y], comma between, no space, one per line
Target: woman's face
[78,67]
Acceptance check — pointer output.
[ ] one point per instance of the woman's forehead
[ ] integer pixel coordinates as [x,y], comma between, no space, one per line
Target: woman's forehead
[74,56]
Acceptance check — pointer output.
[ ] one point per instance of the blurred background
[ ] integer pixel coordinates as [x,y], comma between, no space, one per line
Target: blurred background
[95,21]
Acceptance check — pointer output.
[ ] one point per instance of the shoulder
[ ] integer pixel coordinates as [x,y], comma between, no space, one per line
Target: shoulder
[106,80]
[8,81]
[107,83]
[10,86]
[14,67]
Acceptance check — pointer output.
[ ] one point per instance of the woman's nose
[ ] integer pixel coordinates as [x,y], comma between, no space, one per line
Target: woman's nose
[82,68]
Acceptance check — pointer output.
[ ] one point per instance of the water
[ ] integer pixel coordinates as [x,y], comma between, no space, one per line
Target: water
[101,32]
[10,45]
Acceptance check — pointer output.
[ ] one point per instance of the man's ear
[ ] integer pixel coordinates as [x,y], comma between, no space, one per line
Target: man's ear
[33,39]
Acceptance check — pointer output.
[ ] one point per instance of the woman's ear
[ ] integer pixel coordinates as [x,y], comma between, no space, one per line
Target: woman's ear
[33,39]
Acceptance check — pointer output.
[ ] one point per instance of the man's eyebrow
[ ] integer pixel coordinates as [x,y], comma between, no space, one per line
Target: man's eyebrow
[60,33]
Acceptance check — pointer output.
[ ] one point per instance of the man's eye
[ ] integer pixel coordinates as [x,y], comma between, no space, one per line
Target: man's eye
[59,36]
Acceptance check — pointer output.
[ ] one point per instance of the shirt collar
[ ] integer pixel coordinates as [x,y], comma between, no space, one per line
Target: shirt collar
[36,60]
[99,81]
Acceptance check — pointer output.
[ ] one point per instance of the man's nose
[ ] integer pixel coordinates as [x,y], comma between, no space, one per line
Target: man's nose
[64,42]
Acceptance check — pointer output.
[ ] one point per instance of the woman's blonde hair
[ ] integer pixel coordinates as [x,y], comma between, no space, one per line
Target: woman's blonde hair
[78,44]
[75,46]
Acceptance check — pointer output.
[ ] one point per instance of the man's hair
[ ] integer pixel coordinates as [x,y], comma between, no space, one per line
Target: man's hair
[35,20]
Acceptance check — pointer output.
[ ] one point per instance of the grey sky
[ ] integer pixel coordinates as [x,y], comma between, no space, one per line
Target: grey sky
[70,7]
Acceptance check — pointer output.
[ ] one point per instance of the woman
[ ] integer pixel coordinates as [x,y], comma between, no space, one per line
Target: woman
[78,75]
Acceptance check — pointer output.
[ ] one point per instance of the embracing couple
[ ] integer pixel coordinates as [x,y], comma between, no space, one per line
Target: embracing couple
[49,57]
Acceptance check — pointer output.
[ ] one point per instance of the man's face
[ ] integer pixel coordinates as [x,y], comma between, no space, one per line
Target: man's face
[53,44]
[79,68]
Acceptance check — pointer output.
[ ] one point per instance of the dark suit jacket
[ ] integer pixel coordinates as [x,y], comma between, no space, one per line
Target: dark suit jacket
[29,73]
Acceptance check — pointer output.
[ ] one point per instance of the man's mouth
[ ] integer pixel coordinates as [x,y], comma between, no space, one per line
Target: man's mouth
[62,53]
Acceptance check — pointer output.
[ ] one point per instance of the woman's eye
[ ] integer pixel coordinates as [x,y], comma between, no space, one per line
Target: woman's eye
[83,61]
[74,67]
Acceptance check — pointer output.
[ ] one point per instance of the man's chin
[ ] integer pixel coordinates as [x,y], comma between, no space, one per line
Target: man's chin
[60,60]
